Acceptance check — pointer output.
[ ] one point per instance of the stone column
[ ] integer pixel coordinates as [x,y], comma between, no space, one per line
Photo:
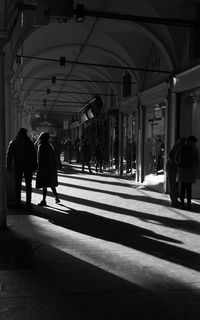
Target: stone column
[171,123]
[172,119]
[121,143]
[8,107]
[20,116]
[9,129]
[17,116]
[3,206]
[140,142]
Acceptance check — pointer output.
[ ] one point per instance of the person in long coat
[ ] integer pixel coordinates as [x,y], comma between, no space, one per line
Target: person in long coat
[46,175]
[86,155]
[21,156]
[188,169]
[172,168]
[99,155]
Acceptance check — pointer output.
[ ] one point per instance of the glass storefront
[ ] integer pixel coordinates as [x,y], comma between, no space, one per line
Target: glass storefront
[154,144]
[190,125]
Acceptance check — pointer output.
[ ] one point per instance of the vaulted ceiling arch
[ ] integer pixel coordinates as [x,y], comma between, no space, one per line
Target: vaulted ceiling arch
[98,40]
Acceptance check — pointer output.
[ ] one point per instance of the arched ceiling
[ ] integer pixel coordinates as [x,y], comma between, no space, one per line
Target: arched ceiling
[98,52]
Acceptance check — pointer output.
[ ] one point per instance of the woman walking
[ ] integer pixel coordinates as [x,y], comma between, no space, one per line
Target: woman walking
[86,155]
[47,168]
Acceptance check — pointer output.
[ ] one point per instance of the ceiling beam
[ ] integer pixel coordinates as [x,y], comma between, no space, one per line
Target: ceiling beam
[143,19]
[109,66]
[75,80]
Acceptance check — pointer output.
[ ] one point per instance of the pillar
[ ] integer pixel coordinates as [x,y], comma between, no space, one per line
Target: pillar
[171,125]
[121,143]
[9,130]
[17,116]
[172,120]
[20,116]
[3,206]
[8,107]
[140,142]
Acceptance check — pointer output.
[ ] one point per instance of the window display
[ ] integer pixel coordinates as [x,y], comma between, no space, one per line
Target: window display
[154,144]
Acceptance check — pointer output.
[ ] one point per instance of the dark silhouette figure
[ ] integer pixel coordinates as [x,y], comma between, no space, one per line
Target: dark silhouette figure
[77,146]
[171,167]
[68,150]
[159,155]
[187,159]
[47,168]
[86,155]
[21,156]
[99,156]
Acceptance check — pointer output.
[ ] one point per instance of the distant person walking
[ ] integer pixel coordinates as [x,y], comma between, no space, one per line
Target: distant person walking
[21,156]
[86,155]
[68,150]
[187,159]
[172,168]
[77,146]
[47,168]
[99,155]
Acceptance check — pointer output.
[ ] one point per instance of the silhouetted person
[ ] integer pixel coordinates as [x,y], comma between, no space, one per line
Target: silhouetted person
[77,146]
[47,168]
[86,155]
[171,168]
[159,155]
[21,155]
[188,169]
[99,156]
[68,150]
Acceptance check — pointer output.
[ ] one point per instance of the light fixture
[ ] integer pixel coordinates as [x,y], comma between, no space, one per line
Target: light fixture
[80,13]
[62,61]
[53,80]
[18,60]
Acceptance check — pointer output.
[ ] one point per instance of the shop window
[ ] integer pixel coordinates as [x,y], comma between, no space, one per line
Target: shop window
[154,140]
[126,85]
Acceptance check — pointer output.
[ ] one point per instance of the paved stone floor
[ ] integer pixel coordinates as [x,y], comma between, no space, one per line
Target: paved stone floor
[112,249]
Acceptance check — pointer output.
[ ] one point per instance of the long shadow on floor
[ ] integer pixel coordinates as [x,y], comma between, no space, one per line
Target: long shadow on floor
[92,177]
[125,234]
[179,224]
[119,194]
[61,285]
[158,200]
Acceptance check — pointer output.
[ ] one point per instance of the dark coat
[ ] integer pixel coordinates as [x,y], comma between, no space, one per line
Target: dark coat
[47,170]
[99,152]
[22,154]
[86,152]
[190,174]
